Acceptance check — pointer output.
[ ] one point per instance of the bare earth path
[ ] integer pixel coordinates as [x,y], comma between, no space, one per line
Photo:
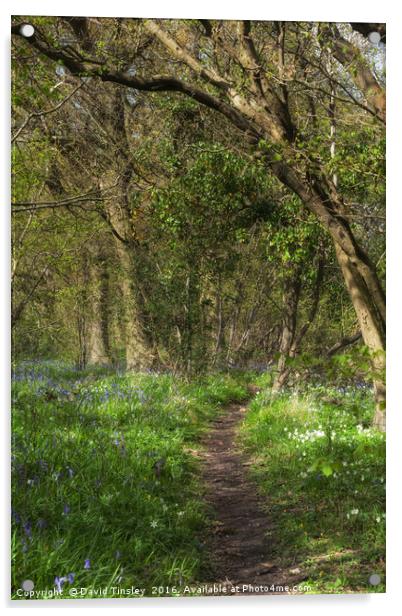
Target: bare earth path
[238,549]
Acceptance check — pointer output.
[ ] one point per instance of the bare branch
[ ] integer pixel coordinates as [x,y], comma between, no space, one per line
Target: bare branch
[38,114]
[94,68]
[352,59]
[342,344]
[181,54]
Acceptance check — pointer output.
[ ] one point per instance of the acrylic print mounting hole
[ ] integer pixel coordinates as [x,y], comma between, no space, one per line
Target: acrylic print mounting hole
[374,38]
[27,30]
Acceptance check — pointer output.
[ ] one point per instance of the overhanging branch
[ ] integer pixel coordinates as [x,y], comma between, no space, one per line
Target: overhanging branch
[90,67]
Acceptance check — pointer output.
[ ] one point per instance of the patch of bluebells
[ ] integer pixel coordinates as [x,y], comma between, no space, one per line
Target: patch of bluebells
[40,370]
[32,369]
[60,581]
[104,394]
[42,377]
[31,453]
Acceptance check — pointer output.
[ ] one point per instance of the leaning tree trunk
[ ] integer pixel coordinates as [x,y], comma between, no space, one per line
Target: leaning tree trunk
[371,329]
[360,276]
[98,328]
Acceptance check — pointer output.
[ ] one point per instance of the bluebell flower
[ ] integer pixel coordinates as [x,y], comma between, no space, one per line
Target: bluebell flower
[41,523]
[27,528]
[58,582]
[87,564]
[141,395]
[16,516]
[43,465]
[66,509]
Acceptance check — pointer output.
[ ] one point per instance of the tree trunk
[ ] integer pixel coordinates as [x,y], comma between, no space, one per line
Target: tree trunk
[319,199]
[81,314]
[361,280]
[190,353]
[137,348]
[98,335]
[138,353]
[291,296]
[371,329]
[220,326]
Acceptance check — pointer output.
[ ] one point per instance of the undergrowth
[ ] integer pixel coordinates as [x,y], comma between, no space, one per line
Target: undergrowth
[105,491]
[321,468]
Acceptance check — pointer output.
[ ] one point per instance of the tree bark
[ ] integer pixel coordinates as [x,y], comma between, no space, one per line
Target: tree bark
[220,325]
[98,335]
[137,351]
[291,296]
[333,217]
[342,344]
[371,329]
[82,314]
[359,70]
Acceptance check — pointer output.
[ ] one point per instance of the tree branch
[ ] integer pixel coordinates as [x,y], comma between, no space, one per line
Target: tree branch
[38,114]
[181,54]
[341,344]
[158,83]
[353,61]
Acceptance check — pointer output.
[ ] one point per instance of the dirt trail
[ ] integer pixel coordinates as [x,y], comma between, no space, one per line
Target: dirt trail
[238,549]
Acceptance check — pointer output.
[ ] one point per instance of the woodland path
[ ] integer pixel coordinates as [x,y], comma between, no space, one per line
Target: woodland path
[237,545]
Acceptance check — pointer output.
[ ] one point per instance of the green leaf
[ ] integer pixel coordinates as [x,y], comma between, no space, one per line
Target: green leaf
[327,469]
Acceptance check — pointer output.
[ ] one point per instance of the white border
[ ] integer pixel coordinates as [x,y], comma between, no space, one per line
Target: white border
[341,10]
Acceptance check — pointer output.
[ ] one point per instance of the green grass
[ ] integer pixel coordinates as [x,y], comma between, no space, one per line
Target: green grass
[102,471]
[322,471]
[104,486]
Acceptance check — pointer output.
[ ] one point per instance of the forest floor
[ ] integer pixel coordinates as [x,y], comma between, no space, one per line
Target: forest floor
[238,545]
[176,485]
